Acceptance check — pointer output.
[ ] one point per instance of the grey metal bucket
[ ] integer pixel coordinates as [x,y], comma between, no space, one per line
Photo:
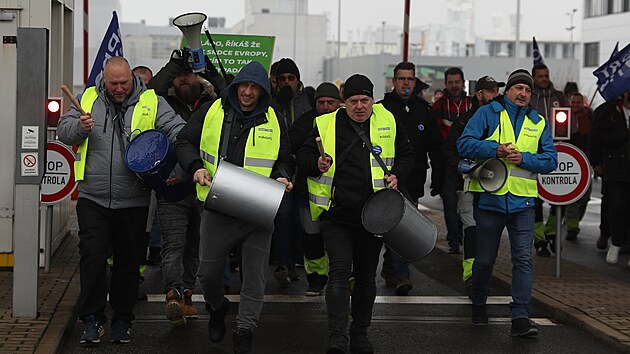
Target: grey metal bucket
[403,227]
[244,194]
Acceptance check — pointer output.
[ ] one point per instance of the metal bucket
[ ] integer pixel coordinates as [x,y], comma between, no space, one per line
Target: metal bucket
[152,157]
[244,194]
[403,227]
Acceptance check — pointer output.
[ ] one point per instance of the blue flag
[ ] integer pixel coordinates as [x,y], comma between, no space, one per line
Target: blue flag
[613,78]
[111,46]
[538,59]
[616,50]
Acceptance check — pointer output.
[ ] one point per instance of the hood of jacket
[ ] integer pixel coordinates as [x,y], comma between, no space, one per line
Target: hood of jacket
[256,73]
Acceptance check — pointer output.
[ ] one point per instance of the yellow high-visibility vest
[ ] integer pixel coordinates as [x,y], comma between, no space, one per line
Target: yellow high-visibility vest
[520,182]
[144,113]
[382,134]
[261,150]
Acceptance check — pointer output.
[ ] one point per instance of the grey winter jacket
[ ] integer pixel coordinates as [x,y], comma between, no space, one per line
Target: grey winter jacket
[108,182]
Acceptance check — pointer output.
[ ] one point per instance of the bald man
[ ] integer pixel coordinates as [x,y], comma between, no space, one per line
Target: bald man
[113,203]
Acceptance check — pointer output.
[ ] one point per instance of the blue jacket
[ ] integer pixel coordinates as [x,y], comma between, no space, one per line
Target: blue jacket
[472,144]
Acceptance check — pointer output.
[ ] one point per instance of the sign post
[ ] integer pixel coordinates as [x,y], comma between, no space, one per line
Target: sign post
[568,183]
[58,184]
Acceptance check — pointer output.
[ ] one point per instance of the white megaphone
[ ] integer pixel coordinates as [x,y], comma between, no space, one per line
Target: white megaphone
[190,25]
[491,174]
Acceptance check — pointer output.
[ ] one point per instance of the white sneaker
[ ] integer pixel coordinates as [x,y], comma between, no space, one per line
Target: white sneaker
[613,254]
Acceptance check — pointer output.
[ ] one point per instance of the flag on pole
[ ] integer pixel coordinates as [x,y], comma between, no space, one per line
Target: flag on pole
[538,59]
[111,46]
[613,78]
[616,50]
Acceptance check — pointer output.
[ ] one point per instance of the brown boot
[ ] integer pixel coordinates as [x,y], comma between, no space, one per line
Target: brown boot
[175,308]
[189,310]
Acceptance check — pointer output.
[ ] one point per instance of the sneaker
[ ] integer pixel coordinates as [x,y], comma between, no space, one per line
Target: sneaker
[293,275]
[282,275]
[390,279]
[121,332]
[175,308]
[602,242]
[613,254]
[360,344]
[453,249]
[216,325]
[479,315]
[337,344]
[189,310]
[523,327]
[571,235]
[316,284]
[242,341]
[92,331]
[541,249]
[403,286]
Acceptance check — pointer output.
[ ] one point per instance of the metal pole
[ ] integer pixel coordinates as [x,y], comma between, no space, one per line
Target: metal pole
[383,58]
[48,240]
[406,31]
[86,41]
[558,238]
[295,11]
[570,29]
[517,43]
[339,39]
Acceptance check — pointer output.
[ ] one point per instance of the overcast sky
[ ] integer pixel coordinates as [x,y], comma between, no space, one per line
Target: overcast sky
[545,19]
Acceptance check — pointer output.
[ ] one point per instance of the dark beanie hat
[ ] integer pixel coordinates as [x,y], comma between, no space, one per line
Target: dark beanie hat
[327,89]
[358,84]
[520,76]
[287,66]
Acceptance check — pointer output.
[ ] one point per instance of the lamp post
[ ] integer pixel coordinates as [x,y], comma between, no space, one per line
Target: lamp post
[570,29]
[383,57]
[338,38]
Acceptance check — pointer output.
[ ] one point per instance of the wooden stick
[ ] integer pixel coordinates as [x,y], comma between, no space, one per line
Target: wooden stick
[320,147]
[72,99]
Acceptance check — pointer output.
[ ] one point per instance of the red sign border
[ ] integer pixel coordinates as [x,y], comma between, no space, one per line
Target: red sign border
[66,191]
[582,186]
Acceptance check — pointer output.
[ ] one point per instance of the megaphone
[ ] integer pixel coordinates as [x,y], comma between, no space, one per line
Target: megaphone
[492,173]
[190,25]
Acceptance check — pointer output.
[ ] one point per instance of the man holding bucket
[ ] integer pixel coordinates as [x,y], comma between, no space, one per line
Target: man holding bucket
[113,203]
[241,129]
[508,129]
[351,170]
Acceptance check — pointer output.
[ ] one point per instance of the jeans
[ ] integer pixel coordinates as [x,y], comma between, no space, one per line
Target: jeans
[219,234]
[395,264]
[104,232]
[490,225]
[449,202]
[179,227]
[286,231]
[350,249]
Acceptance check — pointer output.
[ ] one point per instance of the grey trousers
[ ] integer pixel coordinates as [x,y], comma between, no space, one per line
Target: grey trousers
[219,233]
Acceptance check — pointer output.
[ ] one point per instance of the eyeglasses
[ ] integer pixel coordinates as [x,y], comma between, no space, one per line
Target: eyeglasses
[406,79]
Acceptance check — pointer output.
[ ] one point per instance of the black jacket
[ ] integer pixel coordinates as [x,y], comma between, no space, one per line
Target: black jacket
[353,178]
[418,120]
[298,133]
[451,155]
[609,144]
[189,138]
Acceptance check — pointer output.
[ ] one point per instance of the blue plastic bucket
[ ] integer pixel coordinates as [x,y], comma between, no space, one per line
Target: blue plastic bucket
[152,157]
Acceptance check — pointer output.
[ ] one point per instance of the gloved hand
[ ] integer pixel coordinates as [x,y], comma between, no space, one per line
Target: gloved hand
[210,68]
[284,95]
[181,57]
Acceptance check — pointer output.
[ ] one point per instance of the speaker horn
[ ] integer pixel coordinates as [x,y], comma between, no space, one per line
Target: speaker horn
[492,173]
[190,25]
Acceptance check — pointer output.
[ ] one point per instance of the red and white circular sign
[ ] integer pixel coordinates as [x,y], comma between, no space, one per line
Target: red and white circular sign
[570,181]
[58,182]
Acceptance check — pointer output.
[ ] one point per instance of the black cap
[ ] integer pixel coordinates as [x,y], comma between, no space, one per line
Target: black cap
[358,84]
[487,83]
[287,66]
[327,89]
[520,76]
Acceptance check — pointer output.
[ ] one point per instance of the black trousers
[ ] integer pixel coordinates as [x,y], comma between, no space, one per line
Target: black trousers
[618,199]
[351,249]
[104,232]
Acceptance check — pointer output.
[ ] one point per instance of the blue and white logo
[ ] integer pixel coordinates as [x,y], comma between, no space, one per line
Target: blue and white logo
[421,127]
[377,150]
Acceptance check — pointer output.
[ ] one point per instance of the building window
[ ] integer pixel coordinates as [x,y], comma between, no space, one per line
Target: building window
[626,5]
[591,54]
